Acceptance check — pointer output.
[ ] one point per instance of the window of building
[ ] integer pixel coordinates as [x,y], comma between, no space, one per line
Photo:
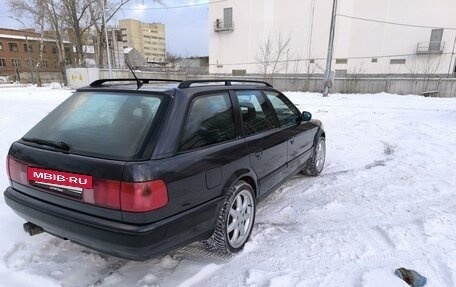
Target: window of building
[2,62]
[28,48]
[341,61]
[54,50]
[1,46]
[209,121]
[312,61]
[397,61]
[374,60]
[228,17]
[257,114]
[44,49]
[30,63]
[239,73]
[44,63]
[341,73]
[16,63]
[13,47]
[285,110]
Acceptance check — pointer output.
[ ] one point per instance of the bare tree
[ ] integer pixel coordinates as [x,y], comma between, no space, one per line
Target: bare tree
[353,79]
[272,54]
[55,13]
[429,68]
[430,65]
[79,20]
[265,56]
[281,50]
[51,12]
[35,9]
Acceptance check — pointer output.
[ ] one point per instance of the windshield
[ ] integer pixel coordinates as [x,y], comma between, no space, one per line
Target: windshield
[103,124]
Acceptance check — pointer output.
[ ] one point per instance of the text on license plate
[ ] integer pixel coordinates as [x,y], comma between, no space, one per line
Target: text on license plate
[59,177]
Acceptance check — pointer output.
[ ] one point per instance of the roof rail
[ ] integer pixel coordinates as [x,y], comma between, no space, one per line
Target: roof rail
[187,84]
[99,83]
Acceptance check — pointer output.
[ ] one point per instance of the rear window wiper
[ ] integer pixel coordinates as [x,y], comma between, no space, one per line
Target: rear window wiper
[57,144]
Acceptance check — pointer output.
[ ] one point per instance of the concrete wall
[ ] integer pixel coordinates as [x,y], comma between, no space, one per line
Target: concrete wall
[401,86]
[46,77]
[79,77]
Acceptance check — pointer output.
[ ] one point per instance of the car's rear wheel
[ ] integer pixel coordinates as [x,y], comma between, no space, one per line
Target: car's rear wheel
[235,220]
[317,161]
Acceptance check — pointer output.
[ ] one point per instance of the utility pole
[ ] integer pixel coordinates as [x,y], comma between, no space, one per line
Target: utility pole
[451,59]
[108,53]
[332,31]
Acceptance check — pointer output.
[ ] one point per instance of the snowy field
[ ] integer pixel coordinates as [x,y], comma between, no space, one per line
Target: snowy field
[386,199]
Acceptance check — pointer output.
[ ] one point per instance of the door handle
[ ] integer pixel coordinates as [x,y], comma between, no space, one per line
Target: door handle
[259,154]
[291,140]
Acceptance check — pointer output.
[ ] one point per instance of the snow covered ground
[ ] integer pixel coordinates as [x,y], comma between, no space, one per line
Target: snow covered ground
[386,199]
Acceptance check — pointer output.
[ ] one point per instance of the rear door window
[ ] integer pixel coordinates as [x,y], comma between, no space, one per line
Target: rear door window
[102,124]
[257,114]
[209,121]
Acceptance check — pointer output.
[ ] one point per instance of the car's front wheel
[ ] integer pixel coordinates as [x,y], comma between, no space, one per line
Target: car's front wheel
[317,160]
[235,220]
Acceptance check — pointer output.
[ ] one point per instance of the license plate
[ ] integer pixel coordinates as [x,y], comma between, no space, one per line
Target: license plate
[59,178]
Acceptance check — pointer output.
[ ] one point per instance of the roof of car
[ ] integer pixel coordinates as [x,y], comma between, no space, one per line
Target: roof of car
[163,85]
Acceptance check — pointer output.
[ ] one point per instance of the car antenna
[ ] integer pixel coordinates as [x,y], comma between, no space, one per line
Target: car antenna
[138,82]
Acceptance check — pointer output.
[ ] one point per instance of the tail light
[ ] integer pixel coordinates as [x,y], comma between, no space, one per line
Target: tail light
[7,167]
[125,196]
[133,197]
[17,170]
[143,196]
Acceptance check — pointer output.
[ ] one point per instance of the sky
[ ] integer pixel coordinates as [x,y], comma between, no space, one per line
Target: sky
[186,27]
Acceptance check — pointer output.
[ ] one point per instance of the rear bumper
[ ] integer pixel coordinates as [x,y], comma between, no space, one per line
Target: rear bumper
[137,242]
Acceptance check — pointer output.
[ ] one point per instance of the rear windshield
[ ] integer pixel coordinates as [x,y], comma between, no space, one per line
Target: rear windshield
[104,124]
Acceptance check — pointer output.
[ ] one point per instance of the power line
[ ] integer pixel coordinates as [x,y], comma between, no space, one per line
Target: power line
[394,23]
[176,7]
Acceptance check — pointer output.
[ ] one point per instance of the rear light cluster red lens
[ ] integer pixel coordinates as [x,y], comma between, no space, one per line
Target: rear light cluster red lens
[126,196]
[143,196]
[17,170]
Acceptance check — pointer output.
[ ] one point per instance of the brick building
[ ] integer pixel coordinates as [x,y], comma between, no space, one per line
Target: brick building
[16,57]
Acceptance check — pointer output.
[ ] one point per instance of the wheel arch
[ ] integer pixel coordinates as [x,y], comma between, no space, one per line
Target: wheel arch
[246,175]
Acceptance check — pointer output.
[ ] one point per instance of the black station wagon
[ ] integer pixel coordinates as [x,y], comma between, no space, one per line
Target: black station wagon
[135,170]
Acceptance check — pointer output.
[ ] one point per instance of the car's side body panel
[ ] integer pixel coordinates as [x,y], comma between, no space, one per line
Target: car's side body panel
[189,177]
[268,158]
[300,143]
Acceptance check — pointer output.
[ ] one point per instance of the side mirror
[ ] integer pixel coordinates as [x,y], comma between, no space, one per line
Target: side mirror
[306,116]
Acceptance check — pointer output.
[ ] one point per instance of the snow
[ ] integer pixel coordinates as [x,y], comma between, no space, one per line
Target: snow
[385,200]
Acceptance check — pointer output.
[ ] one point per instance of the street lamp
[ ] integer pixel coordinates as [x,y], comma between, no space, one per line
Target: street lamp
[28,48]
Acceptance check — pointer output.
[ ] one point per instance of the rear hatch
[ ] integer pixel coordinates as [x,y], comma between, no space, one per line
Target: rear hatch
[75,156]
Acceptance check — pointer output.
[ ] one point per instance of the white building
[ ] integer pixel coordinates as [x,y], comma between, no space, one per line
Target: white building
[372,36]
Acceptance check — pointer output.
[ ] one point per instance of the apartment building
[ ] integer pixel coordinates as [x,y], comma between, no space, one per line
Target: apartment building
[21,48]
[147,38]
[409,37]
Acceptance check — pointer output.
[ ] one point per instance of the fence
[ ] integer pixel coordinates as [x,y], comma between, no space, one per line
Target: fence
[441,87]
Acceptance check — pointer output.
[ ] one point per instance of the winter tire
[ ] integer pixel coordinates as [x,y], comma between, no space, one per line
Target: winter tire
[317,161]
[235,220]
